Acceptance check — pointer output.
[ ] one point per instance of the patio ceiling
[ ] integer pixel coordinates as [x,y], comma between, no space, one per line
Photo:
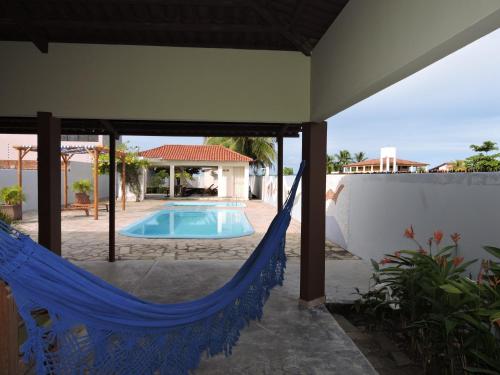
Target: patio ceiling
[290,25]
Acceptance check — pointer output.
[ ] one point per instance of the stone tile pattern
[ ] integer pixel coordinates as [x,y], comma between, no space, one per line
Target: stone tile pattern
[84,238]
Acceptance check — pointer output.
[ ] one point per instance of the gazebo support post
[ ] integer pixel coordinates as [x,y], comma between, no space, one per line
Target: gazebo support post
[112,197]
[49,182]
[280,172]
[20,170]
[312,254]
[96,184]
[124,186]
[65,159]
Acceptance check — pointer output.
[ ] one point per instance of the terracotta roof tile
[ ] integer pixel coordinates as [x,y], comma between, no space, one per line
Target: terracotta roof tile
[194,153]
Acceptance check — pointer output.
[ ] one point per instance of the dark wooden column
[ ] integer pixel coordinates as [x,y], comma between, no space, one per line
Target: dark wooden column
[312,254]
[280,172]
[112,196]
[49,182]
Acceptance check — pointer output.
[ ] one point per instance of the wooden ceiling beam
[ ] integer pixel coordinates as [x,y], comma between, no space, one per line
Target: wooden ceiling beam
[263,11]
[22,20]
[147,26]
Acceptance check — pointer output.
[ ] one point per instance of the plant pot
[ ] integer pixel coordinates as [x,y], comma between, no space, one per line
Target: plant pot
[82,198]
[14,211]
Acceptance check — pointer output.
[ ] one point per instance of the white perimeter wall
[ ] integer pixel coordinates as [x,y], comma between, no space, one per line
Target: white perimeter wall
[373,211]
[77,171]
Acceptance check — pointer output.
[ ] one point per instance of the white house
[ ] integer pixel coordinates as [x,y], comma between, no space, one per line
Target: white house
[220,168]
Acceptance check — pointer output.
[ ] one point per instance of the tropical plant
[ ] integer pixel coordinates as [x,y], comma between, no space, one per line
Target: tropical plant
[133,167]
[330,164]
[12,195]
[483,161]
[342,159]
[158,178]
[451,321]
[459,166]
[287,171]
[260,149]
[360,156]
[7,219]
[82,186]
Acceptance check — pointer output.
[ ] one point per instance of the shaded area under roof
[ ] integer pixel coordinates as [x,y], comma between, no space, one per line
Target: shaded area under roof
[290,25]
[29,125]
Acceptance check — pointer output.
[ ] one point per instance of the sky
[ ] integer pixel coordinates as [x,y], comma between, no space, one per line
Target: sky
[432,116]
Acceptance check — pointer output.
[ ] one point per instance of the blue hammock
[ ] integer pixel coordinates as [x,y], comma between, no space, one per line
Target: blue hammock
[96,328]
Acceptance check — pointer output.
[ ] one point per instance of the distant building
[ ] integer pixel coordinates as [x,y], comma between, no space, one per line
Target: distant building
[442,168]
[375,166]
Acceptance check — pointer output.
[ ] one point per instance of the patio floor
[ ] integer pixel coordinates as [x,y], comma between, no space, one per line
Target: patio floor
[288,340]
[84,238]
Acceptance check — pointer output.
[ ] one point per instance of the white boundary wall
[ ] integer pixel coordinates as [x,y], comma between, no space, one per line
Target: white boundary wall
[372,211]
[77,171]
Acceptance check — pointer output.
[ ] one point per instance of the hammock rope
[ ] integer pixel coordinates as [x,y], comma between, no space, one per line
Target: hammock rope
[96,328]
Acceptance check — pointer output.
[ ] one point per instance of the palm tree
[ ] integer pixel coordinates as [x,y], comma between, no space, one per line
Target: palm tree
[343,158]
[360,156]
[459,166]
[330,164]
[260,149]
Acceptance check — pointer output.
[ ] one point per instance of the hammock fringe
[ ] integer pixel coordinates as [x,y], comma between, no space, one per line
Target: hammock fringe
[96,328]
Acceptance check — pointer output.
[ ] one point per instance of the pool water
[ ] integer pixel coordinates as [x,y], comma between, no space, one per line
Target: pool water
[208,223]
[210,204]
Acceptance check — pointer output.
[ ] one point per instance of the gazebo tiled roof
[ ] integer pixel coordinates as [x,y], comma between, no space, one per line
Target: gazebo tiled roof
[402,162]
[195,153]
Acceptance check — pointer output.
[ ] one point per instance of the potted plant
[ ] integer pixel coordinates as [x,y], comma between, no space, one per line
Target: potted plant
[81,189]
[12,197]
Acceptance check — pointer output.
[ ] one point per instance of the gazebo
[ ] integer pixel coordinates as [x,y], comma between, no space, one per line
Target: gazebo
[67,152]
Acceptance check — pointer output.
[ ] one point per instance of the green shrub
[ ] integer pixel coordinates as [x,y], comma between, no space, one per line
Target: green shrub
[12,195]
[82,186]
[451,321]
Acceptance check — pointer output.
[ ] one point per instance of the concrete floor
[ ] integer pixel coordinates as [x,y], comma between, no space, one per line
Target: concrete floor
[289,340]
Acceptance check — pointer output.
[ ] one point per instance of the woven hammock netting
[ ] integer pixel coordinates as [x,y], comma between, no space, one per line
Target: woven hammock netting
[96,328]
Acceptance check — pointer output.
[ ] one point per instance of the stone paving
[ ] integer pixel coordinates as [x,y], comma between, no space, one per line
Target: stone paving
[84,238]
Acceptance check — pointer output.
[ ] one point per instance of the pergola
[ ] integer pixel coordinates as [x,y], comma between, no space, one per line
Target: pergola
[67,152]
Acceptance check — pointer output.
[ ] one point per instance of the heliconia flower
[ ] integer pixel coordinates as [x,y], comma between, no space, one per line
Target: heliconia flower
[397,254]
[385,261]
[438,236]
[457,261]
[409,233]
[455,237]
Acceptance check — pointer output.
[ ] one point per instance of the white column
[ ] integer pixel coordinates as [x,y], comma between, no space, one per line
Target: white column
[372,168]
[364,168]
[395,166]
[221,188]
[171,180]
[388,162]
[246,181]
[381,164]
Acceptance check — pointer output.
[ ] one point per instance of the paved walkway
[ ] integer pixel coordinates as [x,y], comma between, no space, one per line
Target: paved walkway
[84,238]
[289,340]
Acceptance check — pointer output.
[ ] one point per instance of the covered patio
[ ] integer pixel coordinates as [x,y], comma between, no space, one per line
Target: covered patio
[246,68]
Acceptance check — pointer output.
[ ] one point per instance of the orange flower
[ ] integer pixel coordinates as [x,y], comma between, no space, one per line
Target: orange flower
[385,261]
[455,237]
[457,261]
[397,254]
[409,233]
[438,236]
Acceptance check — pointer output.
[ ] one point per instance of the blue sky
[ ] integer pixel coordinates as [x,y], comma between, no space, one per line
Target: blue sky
[432,116]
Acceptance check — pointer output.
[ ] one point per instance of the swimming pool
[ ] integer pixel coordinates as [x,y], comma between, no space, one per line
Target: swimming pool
[210,204]
[209,223]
